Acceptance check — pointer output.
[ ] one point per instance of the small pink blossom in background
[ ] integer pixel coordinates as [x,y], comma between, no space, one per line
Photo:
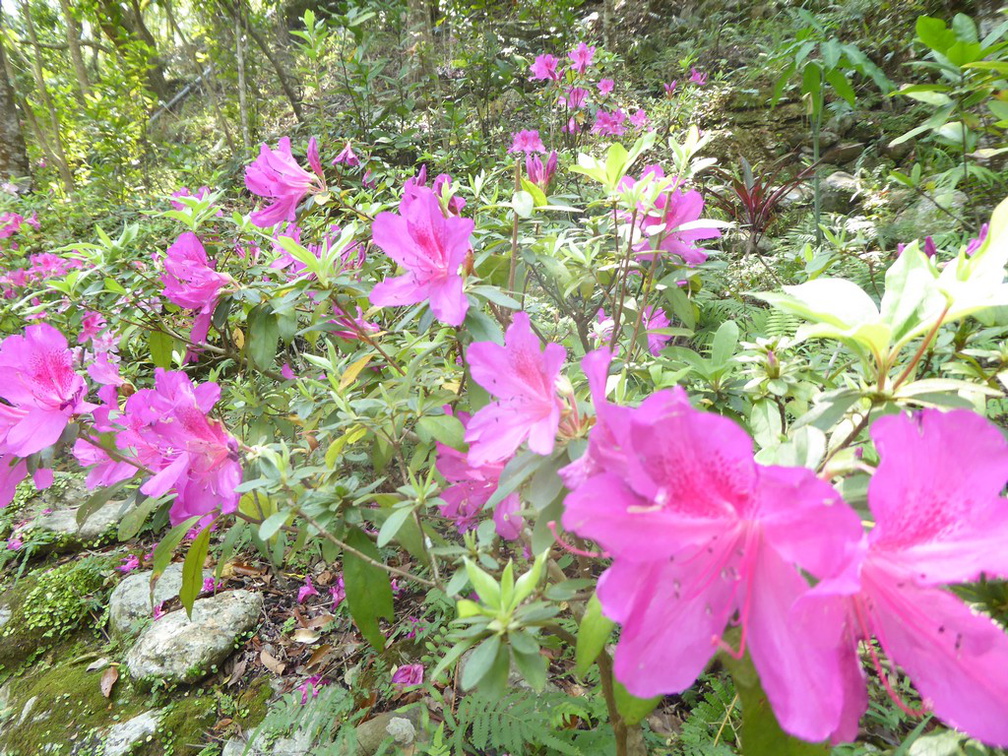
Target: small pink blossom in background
[210,585]
[471,486]
[697,77]
[575,98]
[604,325]
[544,68]
[149,556]
[929,247]
[91,325]
[41,388]
[276,175]
[286,372]
[191,282]
[940,519]
[432,249]
[661,223]
[572,126]
[347,156]
[306,590]
[609,124]
[605,86]
[129,564]
[310,688]
[158,611]
[184,192]
[526,141]
[655,319]
[451,203]
[368,181]
[14,543]
[639,119]
[33,221]
[47,510]
[337,592]
[45,265]
[408,675]
[418,626]
[522,377]
[581,57]
[10,224]
[352,328]
[539,174]
[698,534]
[670,87]
[975,244]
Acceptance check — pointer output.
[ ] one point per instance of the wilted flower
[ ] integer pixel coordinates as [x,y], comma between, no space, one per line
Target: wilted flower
[129,564]
[306,590]
[158,611]
[337,592]
[408,675]
[310,688]
[276,175]
[14,543]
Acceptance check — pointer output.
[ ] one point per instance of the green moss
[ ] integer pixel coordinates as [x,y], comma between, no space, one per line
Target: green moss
[68,708]
[252,703]
[184,725]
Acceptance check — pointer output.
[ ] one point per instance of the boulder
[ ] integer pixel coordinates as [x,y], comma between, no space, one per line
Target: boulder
[123,738]
[130,604]
[67,535]
[175,649]
[838,191]
[924,216]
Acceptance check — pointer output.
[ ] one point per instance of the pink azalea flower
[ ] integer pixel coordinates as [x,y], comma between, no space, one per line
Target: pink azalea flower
[527,142]
[286,372]
[129,564]
[451,204]
[185,193]
[581,57]
[670,88]
[698,78]
[604,326]
[660,225]
[310,688]
[306,590]
[43,392]
[158,611]
[210,585]
[348,156]
[609,124]
[276,175]
[337,592]
[940,519]
[975,244]
[192,283]
[33,221]
[14,543]
[639,119]
[539,174]
[471,488]
[544,68]
[576,98]
[408,675]
[655,319]
[522,377]
[352,328]
[46,265]
[432,249]
[91,325]
[166,430]
[698,532]
[10,224]
[605,86]
[508,521]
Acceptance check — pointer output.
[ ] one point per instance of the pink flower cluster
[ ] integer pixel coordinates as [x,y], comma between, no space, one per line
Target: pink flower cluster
[276,175]
[166,432]
[191,282]
[10,223]
[702,538]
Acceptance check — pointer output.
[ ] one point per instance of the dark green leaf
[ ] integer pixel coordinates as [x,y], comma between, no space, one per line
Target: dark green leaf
[368,589]
[263,335]
[192,570]
[161,345]
[593,632]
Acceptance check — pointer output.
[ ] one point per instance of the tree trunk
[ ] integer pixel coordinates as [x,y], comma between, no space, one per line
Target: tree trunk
[232,7]
[73,35]
[46,100]
[421,36]
[13,154]
[242,96]
[122,29]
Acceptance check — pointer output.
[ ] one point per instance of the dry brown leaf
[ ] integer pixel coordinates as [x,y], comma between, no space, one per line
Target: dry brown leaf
[238,671]
[321,621]
[271,663]
[318,656]
[304,635]
[108,679]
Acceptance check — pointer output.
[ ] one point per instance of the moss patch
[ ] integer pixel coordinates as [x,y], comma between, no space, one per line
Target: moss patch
[184,724]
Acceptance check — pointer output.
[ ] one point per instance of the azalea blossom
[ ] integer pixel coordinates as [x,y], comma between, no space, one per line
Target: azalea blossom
[976,243]
[697,77]
[639,119]
[14,543]
[451,203]
[432,249]
[605,86]
[347,156]
[408,675]
[471,488]
[609,124]
[184,193]
[310,688]
[276,175]
[522,377]
[940,518]
[670,87]
[581,57]
[575,98]
[337,592]
[191,282]
[91,325]
[654,319]
[129,564]
[527,142]
[539,174]
[700,535]
[42,391]
[306,590]
[544,68]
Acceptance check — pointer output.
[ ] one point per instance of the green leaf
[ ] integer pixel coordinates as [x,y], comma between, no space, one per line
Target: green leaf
[272,524]
[135,518]
[538,197]
[166,546]
[633,709]
[836,79]
[444,428]
[523,204]
[192,570]
[533,668]
[725,341]
[392,524]
[593,632]
[368,589]
[263,336]
[160,345]
[485,586]
[480,662]
[934,33]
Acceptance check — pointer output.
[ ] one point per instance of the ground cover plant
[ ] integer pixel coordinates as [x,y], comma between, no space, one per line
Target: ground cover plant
[537,413]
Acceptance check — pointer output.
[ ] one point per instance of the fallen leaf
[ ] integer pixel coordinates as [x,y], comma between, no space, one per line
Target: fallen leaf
[318,656]
[98,664]
[304,635]
[238,671]
[321,621]
[108,679]
[271,663]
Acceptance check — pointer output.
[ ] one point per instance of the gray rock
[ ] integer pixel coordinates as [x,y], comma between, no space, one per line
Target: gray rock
[123,737]
[838,191]
[130,603]
[843,153]
[62,523]
[923,216]
[176,649]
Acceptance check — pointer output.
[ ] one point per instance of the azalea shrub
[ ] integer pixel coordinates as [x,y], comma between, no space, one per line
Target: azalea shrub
[508,378]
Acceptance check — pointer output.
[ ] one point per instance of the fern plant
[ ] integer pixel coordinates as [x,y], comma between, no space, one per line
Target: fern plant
[710,729]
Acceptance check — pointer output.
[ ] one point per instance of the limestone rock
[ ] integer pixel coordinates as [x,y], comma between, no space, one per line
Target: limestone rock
[838,191]
[122,738]
[176,649]
[67,534]
[130,603]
